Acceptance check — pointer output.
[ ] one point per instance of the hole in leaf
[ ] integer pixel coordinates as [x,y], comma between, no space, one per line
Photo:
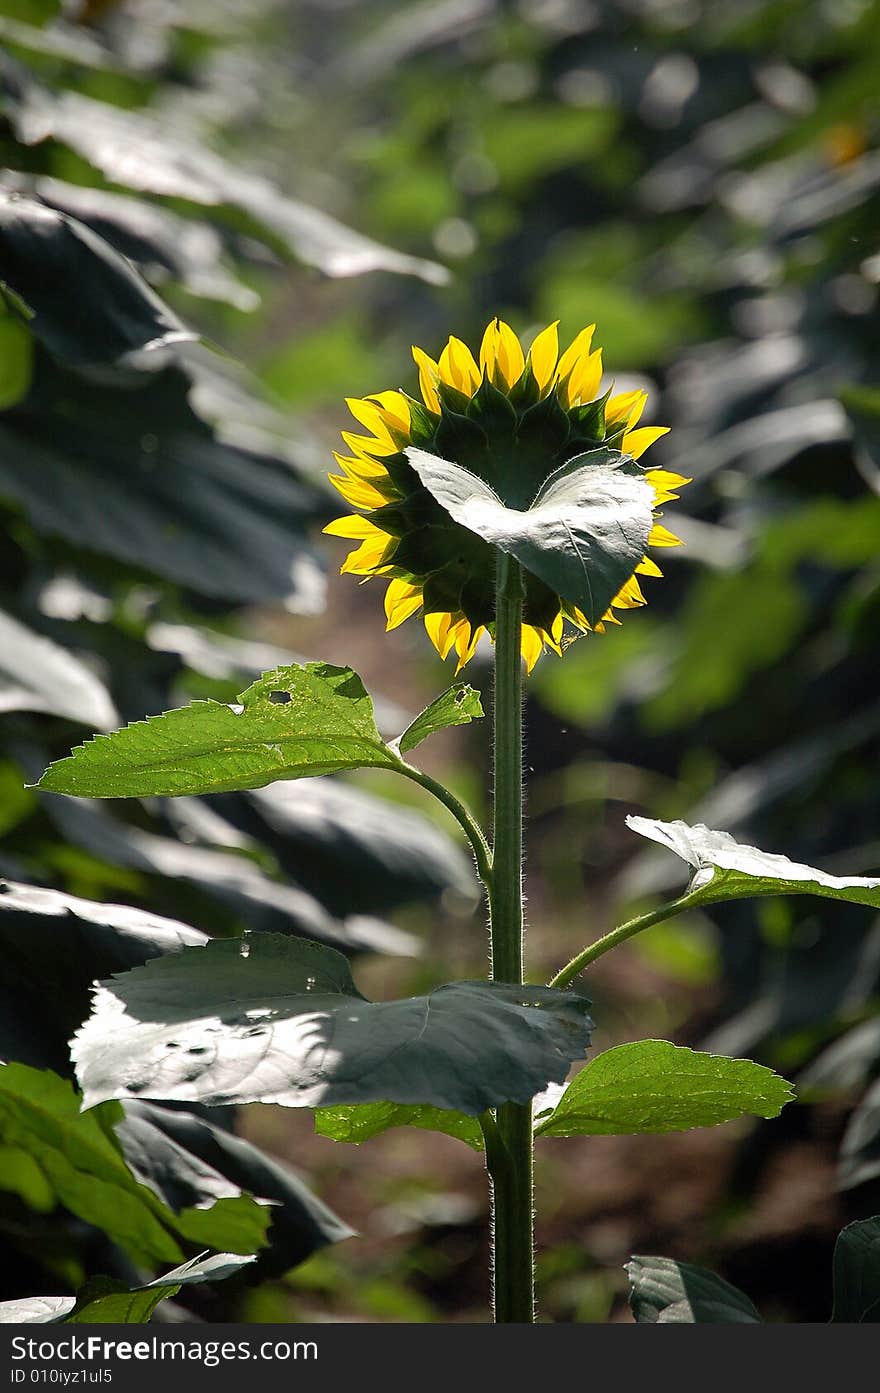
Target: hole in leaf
[459,697]
[280,698]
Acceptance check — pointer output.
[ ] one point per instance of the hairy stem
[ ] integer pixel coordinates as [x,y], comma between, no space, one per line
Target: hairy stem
[512,1169]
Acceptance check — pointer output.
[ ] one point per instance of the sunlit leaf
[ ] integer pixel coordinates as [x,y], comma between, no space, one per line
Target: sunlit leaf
[457,706]
[365,1120]
[655,1086]
[273,1019]
[583,535]
[724,869]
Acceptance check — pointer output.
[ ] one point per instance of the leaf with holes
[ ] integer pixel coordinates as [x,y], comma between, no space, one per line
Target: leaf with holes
[277,1020]
[295,721]
[456,707]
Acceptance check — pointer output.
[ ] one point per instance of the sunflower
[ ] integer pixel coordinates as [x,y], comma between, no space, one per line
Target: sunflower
[512,419]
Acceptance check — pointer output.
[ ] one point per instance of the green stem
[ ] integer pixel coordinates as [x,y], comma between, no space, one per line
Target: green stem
[566,976]
[512,1168]
[471,828]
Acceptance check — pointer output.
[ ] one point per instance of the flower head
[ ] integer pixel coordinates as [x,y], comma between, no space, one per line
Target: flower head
[515,422]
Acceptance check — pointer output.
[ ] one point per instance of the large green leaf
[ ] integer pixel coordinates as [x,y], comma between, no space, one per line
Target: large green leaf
[726,870]
[365,1120]
[81,1162]
[89,305]
[273,1019]
[666,1292]
[583,535]
[857,1273]
[293,722]
[655,1086]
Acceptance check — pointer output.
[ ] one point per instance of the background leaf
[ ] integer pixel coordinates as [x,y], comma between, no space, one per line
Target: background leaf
[666,1292]
[857,1274]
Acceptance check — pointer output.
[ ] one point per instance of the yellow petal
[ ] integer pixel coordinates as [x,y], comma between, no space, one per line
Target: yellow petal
[532,645]
[438,627]
[583,384]
[626,406]
[372,553]
[429,376]
[368,445]
[647,567]
[577,349]
[543,354]
[663,482]
[509,360]
[659,536]
[395,410]
[636,442]
[458,368]
[358,492]
[629,596]
[401,601]
[359,467]
[466,641]
[353,526]
[368,414]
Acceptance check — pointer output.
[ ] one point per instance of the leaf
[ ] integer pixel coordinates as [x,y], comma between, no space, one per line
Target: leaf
[273,1019]
[361,1122]
[666,1292]
[857,1274]
[188,1161]
[106,1300]
[36,1310]
[457,706]
[234,880]
[859,1159]
[655,1086]
[162,243]
[129,469]
[583,535]
[295,721]
[111,314]
[140,152]
[727,870]
[54,946]
[392,854]
[39,675]
[84,1168]
[16,359]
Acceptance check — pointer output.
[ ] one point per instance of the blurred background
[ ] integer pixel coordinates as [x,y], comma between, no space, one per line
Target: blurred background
[314,187]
